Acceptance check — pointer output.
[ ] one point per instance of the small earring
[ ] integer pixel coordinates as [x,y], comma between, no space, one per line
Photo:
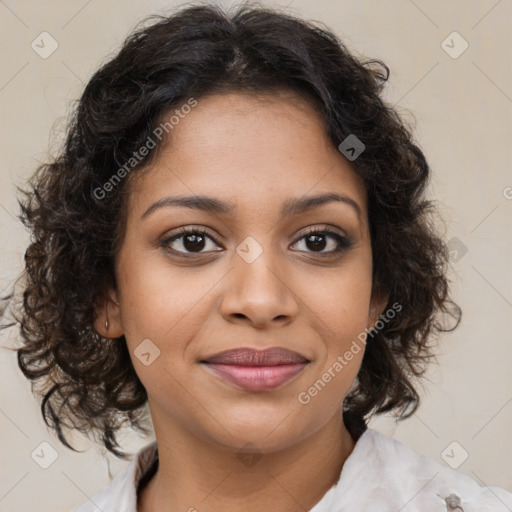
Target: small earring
[106,324]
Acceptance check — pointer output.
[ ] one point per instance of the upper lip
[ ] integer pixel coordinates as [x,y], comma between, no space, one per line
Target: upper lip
[250,357]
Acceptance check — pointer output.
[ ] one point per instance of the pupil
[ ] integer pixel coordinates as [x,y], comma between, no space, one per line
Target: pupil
[196,242]
[194,245]
[317,244]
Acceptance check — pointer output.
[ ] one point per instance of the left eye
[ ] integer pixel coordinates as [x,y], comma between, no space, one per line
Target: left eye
[318,240]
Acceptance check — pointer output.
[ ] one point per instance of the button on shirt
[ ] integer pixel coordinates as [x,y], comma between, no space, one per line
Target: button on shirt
[380,475]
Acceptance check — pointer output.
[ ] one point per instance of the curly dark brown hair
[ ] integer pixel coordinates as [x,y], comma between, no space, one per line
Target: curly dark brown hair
[87,382]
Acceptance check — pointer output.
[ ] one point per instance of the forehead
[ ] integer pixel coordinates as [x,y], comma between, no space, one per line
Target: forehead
[252,150]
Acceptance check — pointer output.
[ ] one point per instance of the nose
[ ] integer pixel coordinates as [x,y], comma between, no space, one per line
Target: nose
[257,293]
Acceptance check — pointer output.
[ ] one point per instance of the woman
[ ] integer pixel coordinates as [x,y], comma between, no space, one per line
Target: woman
[236,236]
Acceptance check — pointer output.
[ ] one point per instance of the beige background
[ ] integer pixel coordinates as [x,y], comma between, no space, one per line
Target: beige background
[463,108]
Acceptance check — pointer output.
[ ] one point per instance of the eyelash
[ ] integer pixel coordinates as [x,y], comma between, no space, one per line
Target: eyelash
[344,242]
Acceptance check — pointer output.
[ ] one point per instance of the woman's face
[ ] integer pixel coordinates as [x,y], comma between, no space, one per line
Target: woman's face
[250,277]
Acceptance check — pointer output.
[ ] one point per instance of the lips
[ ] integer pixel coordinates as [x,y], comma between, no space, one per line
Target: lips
[251,357]
[256,370]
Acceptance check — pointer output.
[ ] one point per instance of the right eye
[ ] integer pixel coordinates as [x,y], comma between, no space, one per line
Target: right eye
[188,241]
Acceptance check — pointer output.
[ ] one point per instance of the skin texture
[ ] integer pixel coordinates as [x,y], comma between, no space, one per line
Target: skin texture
[256,152]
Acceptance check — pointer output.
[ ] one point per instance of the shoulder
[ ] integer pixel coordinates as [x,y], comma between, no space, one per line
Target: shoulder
[438,480]
[385,475]
[121,492]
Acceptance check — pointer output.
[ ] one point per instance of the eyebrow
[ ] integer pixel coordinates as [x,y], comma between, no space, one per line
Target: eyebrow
[213,205]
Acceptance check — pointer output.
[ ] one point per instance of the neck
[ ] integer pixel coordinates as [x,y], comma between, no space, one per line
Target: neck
[195,475]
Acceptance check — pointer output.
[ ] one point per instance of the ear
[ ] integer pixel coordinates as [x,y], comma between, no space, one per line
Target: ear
[109,308]
[378,304]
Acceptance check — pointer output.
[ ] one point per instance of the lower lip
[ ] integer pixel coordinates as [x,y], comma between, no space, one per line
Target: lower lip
[257,378]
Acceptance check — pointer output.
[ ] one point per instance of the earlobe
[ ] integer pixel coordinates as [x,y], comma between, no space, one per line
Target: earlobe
[377,307]
[108,322]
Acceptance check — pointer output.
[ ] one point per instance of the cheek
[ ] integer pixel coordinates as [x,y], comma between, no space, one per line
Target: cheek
[160,301]
[342,311]
[340,305]
[341,301]
[334,375]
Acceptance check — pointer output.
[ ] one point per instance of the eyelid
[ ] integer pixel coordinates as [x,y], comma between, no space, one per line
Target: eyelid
[322,228]
[184,230]
[344,241]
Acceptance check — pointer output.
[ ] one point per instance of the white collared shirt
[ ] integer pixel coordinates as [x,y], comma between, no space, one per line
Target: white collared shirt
[380,475]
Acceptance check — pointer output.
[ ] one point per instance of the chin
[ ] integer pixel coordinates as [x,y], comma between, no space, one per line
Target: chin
[262,433]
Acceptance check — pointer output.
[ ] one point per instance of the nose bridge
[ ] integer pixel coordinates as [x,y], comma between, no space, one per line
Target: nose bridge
[256,271]
[258,288]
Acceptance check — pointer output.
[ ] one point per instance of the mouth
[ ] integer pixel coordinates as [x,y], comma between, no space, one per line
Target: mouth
[256,370]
